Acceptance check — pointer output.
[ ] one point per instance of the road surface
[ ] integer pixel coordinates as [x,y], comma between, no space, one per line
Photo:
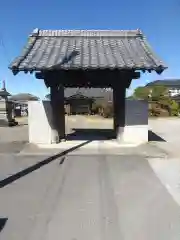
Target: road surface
[130,195]
[85,197]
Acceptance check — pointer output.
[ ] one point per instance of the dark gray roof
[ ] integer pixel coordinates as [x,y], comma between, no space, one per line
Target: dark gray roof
[89,92]
[24,97]
[4,93]
[87,49]
[78,96]
[168,83]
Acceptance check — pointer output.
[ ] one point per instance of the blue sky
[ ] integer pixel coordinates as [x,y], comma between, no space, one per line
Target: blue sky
[159,21]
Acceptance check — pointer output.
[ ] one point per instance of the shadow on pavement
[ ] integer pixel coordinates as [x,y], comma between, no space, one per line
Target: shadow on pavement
[38,165]
[153,137]
[22,124]
[2,223]
[90,134]
[103,134]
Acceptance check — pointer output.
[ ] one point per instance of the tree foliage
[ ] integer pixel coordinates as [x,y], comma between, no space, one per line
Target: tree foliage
[174,108]
[108,110]
[141,93]
[163,104]
[158,93]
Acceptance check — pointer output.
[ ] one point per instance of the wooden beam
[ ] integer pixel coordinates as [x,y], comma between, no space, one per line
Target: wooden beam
[136,75]
[58,112]
[119,94]
[39,75]
[88,78]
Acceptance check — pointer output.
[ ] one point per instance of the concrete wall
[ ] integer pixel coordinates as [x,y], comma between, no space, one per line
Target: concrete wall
[136,122]
[40,123]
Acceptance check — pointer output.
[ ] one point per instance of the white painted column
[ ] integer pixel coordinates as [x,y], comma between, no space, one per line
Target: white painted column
[40,123]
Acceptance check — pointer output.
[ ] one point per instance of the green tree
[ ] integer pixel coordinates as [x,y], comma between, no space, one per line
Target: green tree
[141,93]
[174,108]
[95,108]
[159,93]
[108,110]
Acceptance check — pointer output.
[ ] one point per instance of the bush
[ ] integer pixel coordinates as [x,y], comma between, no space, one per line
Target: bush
[174,108]
[95,108]
[157,110]
[162,109]
[108,110]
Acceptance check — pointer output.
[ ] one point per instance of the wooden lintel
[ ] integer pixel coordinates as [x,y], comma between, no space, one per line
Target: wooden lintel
[39,75]
[88,78]
[129,75]
[136,75]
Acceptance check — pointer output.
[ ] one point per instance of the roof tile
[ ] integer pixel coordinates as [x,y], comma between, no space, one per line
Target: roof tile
[87,49]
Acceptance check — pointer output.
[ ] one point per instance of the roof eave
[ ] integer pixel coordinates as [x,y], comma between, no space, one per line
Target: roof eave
[158,69]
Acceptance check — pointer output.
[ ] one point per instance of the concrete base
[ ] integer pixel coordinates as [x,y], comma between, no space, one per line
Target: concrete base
[135,131]
[99,144]
[136,123]
[4,123]
[133,134]
[40,123]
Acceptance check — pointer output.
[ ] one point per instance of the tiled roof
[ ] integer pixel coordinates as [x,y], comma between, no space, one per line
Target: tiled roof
[87,49]
[4,93]
[168,83]
[89,92]
[23,97]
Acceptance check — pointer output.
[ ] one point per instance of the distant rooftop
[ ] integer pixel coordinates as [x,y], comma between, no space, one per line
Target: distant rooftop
[24,97]
[4,93]
[88,92]
[166,82]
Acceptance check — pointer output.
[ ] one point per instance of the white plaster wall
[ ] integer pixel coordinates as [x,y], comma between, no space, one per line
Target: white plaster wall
[136,122]
[40,123]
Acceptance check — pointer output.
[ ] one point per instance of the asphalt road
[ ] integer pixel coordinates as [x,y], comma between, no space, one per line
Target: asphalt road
[85,197]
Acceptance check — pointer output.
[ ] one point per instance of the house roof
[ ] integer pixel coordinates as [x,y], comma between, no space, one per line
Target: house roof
[87,49]
[77,96]
[24,97]
[4,93]
[168,83]
[88,93]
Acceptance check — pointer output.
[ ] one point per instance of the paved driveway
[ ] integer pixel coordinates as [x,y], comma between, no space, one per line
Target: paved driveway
[86,197]
[130,195]
[169,130]
[13,139]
